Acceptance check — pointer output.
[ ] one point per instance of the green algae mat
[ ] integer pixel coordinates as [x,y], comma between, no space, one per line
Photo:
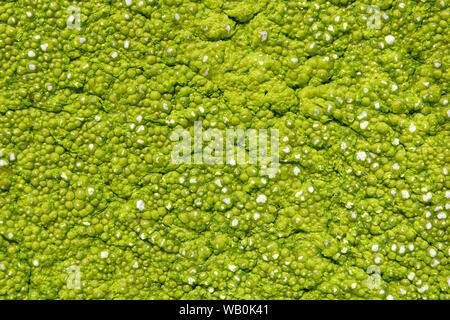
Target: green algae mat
[115,181]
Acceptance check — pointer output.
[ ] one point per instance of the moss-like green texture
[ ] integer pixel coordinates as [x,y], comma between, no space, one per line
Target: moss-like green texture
[86,179]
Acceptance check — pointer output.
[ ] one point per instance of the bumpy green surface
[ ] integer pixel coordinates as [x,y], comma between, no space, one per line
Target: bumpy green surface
[85,117]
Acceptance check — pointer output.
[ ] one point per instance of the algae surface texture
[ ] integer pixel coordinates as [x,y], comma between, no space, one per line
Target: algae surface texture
[92,206]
